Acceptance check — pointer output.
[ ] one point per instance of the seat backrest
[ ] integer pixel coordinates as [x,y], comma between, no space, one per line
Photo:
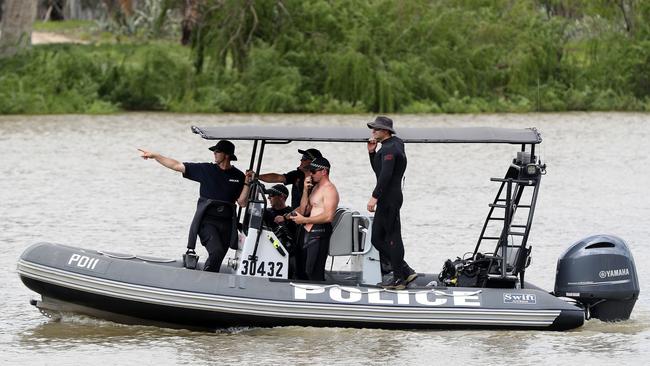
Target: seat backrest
[513,257]
[343,233]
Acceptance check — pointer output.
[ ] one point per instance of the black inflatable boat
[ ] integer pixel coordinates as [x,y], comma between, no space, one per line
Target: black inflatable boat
[596,277]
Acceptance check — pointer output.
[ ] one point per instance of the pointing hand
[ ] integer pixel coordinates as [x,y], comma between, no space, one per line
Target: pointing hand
[145,154]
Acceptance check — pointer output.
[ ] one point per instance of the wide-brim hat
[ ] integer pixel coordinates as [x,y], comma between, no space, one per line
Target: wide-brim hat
[225,147]
[382,123]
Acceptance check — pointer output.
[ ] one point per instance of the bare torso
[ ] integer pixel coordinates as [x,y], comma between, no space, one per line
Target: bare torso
[317,199]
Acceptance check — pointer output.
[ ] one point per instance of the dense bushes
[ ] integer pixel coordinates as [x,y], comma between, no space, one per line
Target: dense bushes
[89,79]
[416,56]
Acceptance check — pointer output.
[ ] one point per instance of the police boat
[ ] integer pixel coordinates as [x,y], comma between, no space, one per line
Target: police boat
[595,278]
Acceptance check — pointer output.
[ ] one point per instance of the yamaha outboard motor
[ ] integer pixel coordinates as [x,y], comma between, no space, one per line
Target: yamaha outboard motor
[599,272]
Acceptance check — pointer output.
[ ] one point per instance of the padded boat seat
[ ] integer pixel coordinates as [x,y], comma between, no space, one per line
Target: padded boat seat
[347,233]
[510,279]
[513,257]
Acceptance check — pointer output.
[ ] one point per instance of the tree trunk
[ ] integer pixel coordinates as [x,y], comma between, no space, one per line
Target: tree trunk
[18,19]
[127,7]
[191,16]
[72,9]
[627,8]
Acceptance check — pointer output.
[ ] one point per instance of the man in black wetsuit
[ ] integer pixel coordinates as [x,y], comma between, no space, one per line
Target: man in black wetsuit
[221,186]
[295,177]
[389,164]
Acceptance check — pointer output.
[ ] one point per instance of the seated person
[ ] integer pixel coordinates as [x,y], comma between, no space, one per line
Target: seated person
[275,217]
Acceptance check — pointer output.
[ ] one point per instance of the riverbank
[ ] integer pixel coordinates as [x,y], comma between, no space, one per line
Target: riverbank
[377,57]
[39,38]
[103,78]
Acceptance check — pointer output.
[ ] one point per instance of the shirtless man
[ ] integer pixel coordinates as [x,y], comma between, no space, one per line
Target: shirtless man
[296,177]
[316,212]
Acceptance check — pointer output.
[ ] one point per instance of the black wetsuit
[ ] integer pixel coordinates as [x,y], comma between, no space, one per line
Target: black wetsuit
[217,221]
[270,214]
[389,164]
[286,230]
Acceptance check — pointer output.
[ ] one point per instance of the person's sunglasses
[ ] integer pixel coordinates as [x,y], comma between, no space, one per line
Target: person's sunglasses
[312,171]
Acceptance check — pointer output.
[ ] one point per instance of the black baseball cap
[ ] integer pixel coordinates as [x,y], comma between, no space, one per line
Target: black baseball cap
[310,154]
[277,190]
[225,147]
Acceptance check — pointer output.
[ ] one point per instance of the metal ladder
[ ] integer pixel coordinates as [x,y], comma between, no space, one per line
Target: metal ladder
[504,208]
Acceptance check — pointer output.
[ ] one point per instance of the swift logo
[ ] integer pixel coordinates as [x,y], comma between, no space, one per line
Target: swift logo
[519,299]
[614,273]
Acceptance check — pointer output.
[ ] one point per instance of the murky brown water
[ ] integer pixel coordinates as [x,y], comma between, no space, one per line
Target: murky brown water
[78,180]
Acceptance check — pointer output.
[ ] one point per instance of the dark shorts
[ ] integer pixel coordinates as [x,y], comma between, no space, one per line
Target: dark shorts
[314,251]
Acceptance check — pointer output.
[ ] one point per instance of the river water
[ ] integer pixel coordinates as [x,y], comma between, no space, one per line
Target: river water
[79,180]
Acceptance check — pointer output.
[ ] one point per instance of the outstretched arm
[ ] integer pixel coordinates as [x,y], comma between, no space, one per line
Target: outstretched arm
[272,178]
[164,161]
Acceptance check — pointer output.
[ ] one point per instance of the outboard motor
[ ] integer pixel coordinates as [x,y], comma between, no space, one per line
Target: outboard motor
[599,272]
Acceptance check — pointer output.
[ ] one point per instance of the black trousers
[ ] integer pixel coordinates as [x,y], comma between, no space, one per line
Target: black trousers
[297,260]
[215,236]
[387,238]
[313,254]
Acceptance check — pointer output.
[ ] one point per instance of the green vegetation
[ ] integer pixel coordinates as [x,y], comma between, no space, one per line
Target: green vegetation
[416,56]
[62,27]
[98,79]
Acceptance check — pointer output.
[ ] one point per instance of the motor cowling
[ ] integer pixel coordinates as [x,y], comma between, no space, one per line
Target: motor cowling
[599,272]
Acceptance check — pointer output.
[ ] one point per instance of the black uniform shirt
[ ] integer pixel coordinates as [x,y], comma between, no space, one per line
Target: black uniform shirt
[216,183]
[297,180]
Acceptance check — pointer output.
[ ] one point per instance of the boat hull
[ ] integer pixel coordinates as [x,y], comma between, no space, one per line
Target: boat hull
[132,290]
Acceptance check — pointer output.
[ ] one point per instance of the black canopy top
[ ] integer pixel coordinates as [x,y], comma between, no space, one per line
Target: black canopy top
[361,134]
